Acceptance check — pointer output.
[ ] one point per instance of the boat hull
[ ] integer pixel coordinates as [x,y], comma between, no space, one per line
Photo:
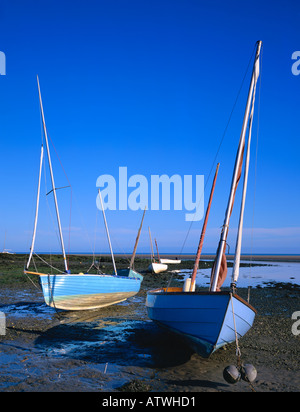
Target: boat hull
[170,261]
[88,291]
[204,319]
[157,267]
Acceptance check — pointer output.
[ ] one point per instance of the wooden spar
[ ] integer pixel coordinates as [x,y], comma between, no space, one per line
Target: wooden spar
[37,208]
[238,162]
[157,250]
[137,241]
[107,233]
[52,180]
[27,272]
[151,244]
[203,231]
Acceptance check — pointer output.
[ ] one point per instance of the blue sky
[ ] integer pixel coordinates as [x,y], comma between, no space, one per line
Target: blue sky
[147,85]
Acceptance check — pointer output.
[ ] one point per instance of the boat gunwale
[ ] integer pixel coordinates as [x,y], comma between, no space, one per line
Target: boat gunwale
[80,274]
[222,293]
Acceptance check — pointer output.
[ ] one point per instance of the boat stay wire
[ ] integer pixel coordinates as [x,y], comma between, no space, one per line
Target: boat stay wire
[219,148]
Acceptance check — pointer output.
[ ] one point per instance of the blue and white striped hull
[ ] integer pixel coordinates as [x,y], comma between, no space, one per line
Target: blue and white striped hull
[205,320]
[88,291]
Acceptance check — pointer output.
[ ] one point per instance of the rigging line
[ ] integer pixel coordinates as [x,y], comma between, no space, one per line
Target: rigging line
[57,188]
[69,240]
[95,263]
[82,221]
[71,195]
[26,274]
[122,253]
[219,148]
[58,157]
[94,249]
[48,264]
[47,202]
[95,235]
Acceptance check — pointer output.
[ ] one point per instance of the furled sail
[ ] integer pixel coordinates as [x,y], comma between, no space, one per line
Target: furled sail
[223,266]
[219,270]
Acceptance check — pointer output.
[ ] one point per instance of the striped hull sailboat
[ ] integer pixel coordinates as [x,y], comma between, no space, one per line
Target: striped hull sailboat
[81,291]
[88,291]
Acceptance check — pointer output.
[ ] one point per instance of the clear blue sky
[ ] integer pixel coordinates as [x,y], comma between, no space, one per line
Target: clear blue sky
[148,85]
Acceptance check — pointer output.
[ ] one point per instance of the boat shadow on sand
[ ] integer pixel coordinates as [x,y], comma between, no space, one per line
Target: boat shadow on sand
[121,341]
[120,334]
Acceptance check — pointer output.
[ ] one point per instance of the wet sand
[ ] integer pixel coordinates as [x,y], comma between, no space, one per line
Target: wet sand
[119,349]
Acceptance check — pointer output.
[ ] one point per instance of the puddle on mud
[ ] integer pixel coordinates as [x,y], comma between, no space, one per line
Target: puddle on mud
[25,309]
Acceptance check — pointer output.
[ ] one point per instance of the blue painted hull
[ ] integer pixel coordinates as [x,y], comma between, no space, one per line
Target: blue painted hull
[88,291]
[205,320]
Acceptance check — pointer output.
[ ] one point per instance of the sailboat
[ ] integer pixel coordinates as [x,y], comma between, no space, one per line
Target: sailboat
[209,320]
[155,267]
[79,291]
[6,251]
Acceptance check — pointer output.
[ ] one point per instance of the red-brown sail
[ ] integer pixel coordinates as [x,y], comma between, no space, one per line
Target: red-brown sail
[223,267]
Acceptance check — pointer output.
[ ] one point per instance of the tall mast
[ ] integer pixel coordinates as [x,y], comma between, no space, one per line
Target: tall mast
[52,180]
[237,258]
[107,233]
[37,208]
[137,241]
[235,178]
[203,231]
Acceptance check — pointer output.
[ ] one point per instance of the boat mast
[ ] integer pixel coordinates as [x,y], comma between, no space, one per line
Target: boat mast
[196,265]
[238,247]
[107,232]
[136,242]
[157,250]
[151,244]
[36,209]
[52,180]
[237,166]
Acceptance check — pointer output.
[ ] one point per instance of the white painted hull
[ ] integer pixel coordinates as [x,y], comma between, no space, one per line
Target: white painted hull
[157,267]
[170,261]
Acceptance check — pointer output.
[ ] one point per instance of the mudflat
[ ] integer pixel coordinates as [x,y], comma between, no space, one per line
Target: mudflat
[119,349]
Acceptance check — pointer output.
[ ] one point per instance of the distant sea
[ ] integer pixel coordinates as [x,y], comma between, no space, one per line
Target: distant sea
[267,267]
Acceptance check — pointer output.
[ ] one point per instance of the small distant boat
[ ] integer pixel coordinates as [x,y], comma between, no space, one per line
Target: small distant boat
[6,251]
[80,291]
[156,267]
[171,261]
[212,319]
